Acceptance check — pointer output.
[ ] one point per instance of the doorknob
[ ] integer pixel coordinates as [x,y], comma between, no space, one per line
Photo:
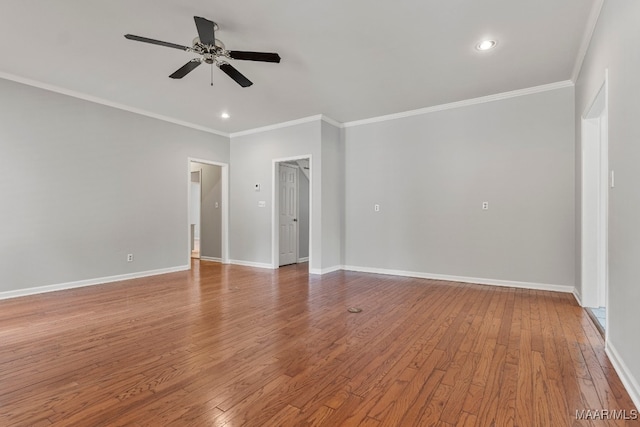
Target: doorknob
[295,219]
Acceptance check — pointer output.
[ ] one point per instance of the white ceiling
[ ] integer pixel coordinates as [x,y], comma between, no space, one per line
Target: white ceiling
[348,60]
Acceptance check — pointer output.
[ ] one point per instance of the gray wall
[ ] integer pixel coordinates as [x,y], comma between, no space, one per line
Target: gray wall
[252,162]
[252,159]
[333,183]
[83,184]
[430,174]
[615,45]
[210,215]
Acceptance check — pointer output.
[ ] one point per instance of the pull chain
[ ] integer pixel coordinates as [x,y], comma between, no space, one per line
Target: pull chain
[211,74]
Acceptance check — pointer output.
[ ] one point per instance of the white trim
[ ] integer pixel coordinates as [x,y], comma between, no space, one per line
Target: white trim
[89,282]
[102,101]
[590,28]
[331,121]
[463,279]
[317,117]
[594,222]
[287,124]
[627,378]
[303,259]
[224,178]
[465,103]
[251,264]
[326,270]
[210,258]
[577,296]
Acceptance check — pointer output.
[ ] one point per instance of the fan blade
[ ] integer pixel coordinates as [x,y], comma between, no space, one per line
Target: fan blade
[186,69]
[235,75]
[254,56]
[206,31]
[158,42]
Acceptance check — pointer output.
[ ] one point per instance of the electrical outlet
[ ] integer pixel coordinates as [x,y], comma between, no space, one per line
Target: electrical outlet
[485,206]
[129,257]
[376,207]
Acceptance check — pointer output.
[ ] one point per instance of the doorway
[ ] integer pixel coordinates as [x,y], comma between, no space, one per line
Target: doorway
[208,210]
[195,210]
[291,216]
[595,208]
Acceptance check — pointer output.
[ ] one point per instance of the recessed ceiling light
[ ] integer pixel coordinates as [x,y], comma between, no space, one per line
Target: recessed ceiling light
[486,44]
[225,115]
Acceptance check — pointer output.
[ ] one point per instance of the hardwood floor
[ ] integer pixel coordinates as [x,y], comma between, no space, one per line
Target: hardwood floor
[230,345]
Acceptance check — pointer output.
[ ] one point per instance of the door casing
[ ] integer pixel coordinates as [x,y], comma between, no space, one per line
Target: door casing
[224,172]
[275,222]
[595,203]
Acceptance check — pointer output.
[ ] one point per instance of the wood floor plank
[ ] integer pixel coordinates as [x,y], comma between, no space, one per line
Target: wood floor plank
[525,378]
[231,345]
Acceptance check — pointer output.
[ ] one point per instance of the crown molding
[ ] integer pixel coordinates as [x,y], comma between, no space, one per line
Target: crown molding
[586,38]
[317,117]
[331,121]
[287,124]
[102,101]
[426,110]
[465,103]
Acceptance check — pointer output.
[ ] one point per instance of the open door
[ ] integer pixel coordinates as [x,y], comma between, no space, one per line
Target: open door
[288,211]
[292,207]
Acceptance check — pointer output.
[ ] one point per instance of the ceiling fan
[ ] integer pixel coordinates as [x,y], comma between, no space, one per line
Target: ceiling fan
[211,51]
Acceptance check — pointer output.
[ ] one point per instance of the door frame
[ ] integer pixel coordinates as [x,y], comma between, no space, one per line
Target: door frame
[224,178]
[275,209]
[594,224]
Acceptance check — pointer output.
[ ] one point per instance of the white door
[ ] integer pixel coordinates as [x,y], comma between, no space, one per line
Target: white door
[288,209]
[595,202]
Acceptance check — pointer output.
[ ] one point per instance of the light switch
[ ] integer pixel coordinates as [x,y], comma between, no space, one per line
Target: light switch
[262,204]
[257,187]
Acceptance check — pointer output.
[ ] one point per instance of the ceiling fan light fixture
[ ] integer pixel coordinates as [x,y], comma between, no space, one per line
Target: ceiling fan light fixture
[486,45]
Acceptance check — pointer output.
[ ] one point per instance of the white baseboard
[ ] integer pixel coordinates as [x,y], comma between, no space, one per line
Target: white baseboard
[628,380]
[577,296]
[89,282]
[209,258]
[463,279]
[326,270]
[303,259]
[251,264]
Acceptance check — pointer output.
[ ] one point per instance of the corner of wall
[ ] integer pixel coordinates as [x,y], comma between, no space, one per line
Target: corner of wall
[627,378]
